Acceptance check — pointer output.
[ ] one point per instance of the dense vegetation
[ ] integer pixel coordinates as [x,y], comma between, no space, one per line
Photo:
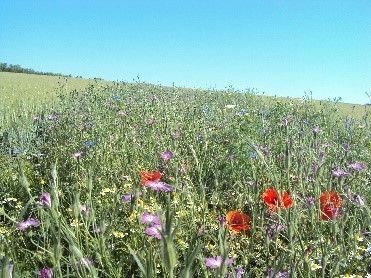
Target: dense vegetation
[5,67]
[136,180]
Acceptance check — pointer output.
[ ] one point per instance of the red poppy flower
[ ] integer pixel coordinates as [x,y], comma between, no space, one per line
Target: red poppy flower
[330,203]
[274,201]
[237,221]
[149,176]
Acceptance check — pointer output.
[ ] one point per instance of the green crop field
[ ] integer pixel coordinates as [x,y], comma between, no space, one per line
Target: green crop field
[106,179]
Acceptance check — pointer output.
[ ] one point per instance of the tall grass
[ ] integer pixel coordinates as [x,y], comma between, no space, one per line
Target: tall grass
[88,149]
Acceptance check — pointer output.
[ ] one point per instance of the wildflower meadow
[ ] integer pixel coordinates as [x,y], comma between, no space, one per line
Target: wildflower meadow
[141,180]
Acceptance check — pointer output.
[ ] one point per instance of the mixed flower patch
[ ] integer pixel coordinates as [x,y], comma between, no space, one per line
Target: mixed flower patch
[139,181]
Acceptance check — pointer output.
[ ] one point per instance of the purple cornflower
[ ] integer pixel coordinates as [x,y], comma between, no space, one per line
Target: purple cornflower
[339,173]
[221,220]
[150,219]
[216,262]
[154,231]
[357,166]
[167,155]
[159,186]
[309,201]
[239,272]
[31,222]
[126,198]
[45,272]
[45,200]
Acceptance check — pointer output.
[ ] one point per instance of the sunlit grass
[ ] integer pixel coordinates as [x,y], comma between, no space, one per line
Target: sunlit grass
[137,180]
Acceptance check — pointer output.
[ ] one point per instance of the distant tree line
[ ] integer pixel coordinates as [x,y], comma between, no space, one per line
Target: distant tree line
[19,69]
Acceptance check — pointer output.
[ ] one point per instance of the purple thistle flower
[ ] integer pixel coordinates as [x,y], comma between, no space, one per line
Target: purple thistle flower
[357,166]
[216,262]
[239,272]
[167,155]
[309,201]
[154,231]
[31,222]
[45,200]
[126,198]
[339,173]
[221,219]
[45,272]
[150,219]
[159,186]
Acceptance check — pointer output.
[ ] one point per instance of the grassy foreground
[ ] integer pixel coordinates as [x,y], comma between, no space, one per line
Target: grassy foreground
[134,180]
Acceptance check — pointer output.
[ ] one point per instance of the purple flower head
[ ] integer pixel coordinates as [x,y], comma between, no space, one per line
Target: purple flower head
[357,166]
[45,200]
[31,222]
[216,262]
[167,155]
[339,173]
[239,272]
[309,201]
[159,186]
[150,219]
[45,272]
[221,219]
[154,231]
[126,198]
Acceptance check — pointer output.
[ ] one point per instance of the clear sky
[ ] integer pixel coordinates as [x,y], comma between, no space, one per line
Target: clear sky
[279,47]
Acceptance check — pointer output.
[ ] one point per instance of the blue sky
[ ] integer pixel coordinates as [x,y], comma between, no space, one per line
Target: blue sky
[279,47]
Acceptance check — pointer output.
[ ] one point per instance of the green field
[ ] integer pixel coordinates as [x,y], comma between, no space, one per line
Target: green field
[105,179]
